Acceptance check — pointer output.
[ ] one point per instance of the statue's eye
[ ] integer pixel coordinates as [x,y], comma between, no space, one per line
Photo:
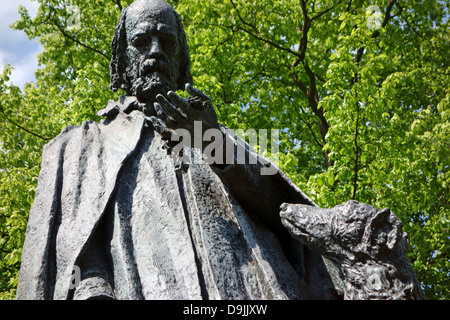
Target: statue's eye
[139,42]
[168,43]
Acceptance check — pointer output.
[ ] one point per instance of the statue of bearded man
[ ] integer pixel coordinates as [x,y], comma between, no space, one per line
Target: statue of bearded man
[116,217]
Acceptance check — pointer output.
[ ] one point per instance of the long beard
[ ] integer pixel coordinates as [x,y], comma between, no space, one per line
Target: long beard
[152,78]
[147,87]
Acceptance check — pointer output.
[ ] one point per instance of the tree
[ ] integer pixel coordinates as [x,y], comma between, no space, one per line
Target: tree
[72,84]
[359,90]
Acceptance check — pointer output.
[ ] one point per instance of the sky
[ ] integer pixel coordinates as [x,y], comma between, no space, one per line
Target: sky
[15,47]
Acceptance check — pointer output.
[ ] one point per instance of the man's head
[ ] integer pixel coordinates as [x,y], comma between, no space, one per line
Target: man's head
[150,54]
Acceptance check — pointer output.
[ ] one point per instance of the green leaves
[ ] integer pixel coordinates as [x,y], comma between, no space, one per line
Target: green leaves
[362,109]
[374,82]
[72,84]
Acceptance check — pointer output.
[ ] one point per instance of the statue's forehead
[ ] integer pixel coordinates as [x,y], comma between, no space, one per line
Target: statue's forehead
[150,19]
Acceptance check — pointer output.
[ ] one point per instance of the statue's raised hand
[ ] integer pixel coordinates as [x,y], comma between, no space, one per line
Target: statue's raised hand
[175,112]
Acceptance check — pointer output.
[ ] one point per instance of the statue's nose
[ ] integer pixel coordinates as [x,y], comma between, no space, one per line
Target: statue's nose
[155,46]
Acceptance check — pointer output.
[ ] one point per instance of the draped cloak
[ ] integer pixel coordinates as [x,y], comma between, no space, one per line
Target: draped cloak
[111,202]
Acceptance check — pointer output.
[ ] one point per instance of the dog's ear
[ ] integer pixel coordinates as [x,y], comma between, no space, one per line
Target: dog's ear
[382,233]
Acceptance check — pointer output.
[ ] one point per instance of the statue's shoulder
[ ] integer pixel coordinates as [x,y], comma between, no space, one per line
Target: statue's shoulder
[125,104]
[115,115]
[70,132]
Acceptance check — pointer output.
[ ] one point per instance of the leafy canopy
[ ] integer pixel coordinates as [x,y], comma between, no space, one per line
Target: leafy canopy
[359,90]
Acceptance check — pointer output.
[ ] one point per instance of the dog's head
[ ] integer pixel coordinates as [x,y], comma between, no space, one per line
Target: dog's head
[351,231]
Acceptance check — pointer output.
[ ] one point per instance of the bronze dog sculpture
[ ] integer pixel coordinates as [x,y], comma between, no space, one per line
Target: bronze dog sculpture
[368,244]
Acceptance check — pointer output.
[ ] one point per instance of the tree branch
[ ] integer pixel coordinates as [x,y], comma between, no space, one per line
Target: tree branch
[326,11]
[2,249]
[310,129]
[375,34]
[387,17]
[299,84]
[311,92]
[22,128]
[242,19]
[349,6]
[256,34]
[357,149]
[268,41]
[118,4]
[65,34]
[222,42]
[262,73]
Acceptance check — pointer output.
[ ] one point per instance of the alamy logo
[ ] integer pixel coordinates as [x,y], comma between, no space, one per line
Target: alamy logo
[74,20]
[375,17]
[229,147]
[75,279]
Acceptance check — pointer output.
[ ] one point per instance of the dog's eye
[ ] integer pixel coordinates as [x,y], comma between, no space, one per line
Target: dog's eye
[350,219]
[354,231]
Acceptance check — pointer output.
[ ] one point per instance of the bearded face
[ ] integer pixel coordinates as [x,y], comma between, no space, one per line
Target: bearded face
[152,53]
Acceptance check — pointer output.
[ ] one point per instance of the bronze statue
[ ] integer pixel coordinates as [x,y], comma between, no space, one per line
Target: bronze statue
[116,217]
[368,244]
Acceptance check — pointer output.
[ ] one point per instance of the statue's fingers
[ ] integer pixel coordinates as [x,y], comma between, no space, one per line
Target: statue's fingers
[170,109]
[157,124]
[194,92]
[161,128]
[162,114]
[182,104]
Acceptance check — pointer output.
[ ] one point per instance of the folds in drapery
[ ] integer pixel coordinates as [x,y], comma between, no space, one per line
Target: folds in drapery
[159,232]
